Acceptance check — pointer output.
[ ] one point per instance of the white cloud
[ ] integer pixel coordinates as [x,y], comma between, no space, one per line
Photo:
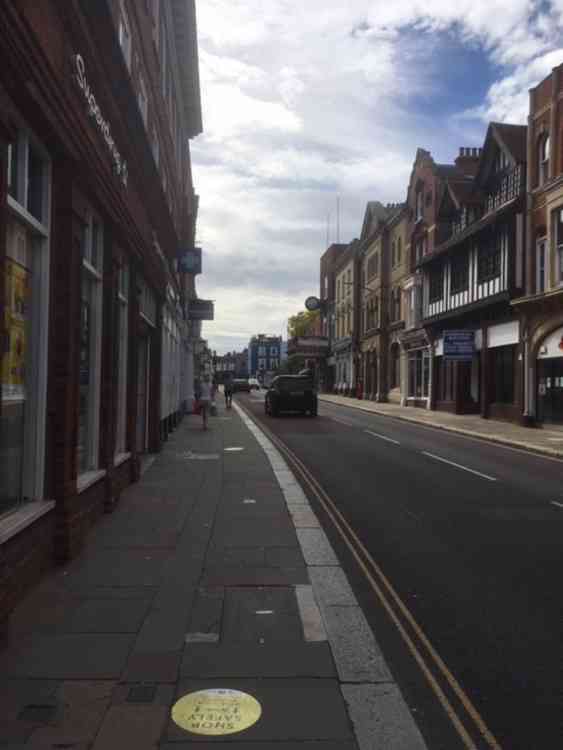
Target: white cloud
[304,101]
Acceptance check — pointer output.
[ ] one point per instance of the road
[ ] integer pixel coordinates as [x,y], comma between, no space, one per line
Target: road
[470,535]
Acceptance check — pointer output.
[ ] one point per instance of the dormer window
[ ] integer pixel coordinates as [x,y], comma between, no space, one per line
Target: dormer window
[543,161]
[501,161]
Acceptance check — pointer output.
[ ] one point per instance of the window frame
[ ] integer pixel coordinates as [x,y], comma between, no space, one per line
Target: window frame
[543,151]
[93,274]
[124,34]
[435,280]
[123,292]
[142,99]
[459,273]
[488,263]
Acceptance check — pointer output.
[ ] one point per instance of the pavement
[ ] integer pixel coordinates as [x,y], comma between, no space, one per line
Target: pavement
[212,574]
[547,441]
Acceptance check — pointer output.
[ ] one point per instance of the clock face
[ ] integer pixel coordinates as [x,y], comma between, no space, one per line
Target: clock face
[312,303]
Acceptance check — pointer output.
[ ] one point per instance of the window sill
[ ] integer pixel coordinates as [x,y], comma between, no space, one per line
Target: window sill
[120,458]
[88,479]
[23,517]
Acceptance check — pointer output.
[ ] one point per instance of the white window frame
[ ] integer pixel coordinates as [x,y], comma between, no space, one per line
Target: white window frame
[142,99]
[125,38]
[155,147]
[36,399]
[543,158]
[95,276]
[123,358]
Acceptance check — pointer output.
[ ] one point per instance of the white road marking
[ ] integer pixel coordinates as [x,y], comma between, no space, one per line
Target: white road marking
[459,466]
[264,611]
[249,501]
[559,505]
[383,437]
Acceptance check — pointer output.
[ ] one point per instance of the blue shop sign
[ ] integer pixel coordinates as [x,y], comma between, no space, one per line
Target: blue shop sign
[459,345]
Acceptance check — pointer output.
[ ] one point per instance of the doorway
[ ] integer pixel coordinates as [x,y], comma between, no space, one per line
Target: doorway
[143,366]
[550,390]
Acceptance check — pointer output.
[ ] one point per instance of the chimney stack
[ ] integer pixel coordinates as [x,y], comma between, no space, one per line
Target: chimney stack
[468,160]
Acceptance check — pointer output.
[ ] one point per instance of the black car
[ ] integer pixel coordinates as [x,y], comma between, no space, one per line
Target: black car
[291,393]
[241,384]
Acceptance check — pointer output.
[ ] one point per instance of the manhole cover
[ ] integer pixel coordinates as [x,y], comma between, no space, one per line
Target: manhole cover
[216,711]
[141,694]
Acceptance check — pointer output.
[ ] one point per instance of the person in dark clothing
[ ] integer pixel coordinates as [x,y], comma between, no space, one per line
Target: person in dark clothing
[228,391]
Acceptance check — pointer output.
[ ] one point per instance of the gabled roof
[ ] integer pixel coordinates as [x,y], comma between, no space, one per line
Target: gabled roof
[375,214]
[511,138]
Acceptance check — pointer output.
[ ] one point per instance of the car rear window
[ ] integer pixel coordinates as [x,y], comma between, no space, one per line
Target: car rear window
[295,384]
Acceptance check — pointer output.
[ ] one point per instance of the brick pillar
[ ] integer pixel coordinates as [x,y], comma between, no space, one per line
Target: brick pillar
[132,372]
[64,341]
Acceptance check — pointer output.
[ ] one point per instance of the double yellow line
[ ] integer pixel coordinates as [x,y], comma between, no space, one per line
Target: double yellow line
[398,612]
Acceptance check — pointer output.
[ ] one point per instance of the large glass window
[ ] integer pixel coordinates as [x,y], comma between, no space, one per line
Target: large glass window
[123,339]
[419,374]
[436,284]
[543,159]
[540,265]
[23,353]
[90,344]
[460,273]
[488,263]
[125,35]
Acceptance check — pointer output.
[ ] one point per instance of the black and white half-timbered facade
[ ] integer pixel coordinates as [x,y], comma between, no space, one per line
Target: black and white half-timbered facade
[471,277]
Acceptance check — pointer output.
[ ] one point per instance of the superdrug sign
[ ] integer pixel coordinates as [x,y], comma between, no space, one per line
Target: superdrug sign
[119,164]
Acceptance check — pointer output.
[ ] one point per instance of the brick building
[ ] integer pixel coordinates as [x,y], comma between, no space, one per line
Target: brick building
[97,103]
[541,307]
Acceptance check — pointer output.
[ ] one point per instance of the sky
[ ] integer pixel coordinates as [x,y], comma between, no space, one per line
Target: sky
[307,105]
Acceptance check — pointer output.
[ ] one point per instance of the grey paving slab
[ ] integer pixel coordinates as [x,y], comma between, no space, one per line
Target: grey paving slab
[357,655]
[79,656]
[381,718]
[17,693]
[284,557]
[256,531]
[239,556]
[261,615]
[152,667]
[292,710]
[316,547]
[120,568]
[254,576]
[207,612]
[331,587]
[163,692]
[253,660]
[108,616]
[131,726]
[311,618]
[163,630]
[304,518]
[83,705]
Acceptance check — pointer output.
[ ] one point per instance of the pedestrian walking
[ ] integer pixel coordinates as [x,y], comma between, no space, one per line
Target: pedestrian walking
[228,391]
[205,398]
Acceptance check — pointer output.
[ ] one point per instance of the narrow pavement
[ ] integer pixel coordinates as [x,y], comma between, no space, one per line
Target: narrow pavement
[212,574]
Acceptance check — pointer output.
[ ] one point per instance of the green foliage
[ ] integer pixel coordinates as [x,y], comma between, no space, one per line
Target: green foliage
[302,324]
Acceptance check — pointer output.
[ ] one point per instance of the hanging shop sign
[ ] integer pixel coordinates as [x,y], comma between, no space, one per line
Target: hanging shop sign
[200,309]
[459,345]
[119,164]
[189,260]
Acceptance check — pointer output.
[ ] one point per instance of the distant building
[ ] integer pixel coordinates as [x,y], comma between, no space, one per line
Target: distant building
[264,355]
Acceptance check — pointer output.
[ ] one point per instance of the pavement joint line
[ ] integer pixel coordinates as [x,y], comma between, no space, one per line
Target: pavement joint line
[383,437]
[409,726]
[459,466]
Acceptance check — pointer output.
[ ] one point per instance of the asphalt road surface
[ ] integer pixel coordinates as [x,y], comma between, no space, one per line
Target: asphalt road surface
[470,535]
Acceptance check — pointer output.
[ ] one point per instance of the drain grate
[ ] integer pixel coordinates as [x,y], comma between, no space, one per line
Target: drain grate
[38,713]
[141,694]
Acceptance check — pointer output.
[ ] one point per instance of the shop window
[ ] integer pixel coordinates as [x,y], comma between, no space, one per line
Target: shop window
[436,284]
[460,273]
[125,35]
[503,368]
[28,176]
[395,373]
[90,344]
[488,263]
[123,343]
[418,374]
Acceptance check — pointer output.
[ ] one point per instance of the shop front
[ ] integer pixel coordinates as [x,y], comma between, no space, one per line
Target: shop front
[549,378]
[417,371]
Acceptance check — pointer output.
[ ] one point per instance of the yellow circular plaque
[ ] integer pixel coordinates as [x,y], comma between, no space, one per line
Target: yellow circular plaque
[216,711]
